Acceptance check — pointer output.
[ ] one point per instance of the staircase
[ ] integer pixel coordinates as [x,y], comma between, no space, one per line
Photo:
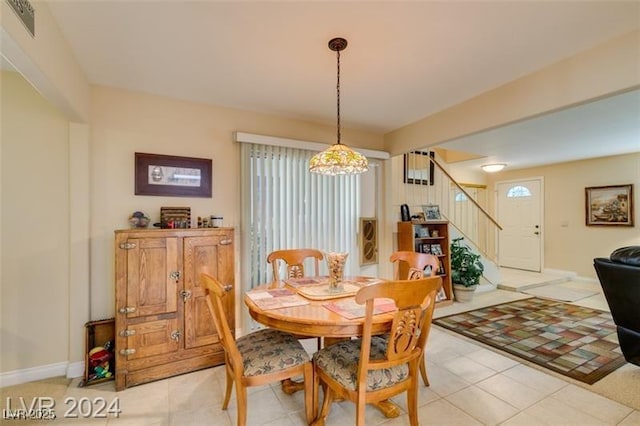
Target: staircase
[467,218]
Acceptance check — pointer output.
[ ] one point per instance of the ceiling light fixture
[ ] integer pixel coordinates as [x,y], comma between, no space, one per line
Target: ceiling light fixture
[493,167]
[338,159]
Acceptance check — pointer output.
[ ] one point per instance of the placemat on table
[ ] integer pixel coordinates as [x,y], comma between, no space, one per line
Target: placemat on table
[350,309]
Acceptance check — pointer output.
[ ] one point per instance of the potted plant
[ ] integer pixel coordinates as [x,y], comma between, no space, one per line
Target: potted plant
[466,270]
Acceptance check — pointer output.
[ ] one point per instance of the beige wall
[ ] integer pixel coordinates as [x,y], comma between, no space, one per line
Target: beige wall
[573,247]
[35,228]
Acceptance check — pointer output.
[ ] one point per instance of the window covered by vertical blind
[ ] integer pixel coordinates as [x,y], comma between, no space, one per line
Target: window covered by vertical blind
[284,206]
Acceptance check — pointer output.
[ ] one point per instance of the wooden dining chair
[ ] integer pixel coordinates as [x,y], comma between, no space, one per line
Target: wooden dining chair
[372,369]
[407,263]
[293,260]
[414,265]
[264,356]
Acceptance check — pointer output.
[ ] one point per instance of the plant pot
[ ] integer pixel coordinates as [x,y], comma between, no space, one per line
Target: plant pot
[464,294]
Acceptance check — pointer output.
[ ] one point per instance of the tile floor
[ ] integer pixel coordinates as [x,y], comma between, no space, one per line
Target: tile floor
[470,385]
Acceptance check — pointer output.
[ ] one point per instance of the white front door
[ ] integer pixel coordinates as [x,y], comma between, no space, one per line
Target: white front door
[519,211]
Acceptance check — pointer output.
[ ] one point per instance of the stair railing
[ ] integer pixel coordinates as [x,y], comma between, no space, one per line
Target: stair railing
[459,207]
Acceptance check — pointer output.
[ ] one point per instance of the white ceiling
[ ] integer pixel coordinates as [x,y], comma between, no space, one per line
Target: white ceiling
[609,126]
[405,60]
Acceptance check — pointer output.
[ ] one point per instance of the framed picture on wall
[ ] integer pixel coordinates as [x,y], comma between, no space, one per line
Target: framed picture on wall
[609,205]
[168,175]
[419,168]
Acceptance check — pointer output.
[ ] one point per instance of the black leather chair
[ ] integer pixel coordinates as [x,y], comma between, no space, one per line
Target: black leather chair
[620,279]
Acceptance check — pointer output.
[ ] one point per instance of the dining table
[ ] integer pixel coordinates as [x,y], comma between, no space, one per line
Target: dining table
[306,307]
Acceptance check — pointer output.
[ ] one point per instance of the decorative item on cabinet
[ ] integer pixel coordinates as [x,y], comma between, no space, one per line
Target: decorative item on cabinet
[138,220]
[431,211]
[162,324]
[216,221]
[404,213]
[429,237]
[175,217]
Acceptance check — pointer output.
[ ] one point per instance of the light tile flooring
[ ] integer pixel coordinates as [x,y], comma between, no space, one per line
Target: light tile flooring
[470,385]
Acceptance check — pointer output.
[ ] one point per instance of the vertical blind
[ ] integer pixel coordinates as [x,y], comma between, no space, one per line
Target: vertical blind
[285,206]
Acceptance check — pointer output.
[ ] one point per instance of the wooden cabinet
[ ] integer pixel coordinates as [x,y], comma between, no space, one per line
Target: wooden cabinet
[428,237]
[163,326]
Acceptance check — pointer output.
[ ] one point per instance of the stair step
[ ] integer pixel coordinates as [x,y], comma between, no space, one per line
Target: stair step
[522,288]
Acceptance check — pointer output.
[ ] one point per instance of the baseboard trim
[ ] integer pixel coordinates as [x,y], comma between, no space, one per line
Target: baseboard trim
[18,377]
[75,369]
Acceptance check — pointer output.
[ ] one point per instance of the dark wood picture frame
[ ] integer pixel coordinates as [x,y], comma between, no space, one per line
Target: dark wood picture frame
[609,205]
[164,168]
[414,175]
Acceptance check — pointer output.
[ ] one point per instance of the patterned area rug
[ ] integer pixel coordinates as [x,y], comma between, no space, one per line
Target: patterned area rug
[577,342]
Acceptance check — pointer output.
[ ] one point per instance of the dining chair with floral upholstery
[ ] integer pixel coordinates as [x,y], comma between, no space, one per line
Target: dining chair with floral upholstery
[264,356]
[372,369]
[415,264]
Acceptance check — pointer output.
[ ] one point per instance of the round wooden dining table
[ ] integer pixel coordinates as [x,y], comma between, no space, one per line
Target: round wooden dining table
[313,319]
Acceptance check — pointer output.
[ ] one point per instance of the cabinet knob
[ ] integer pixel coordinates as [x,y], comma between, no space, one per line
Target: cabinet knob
[186,295]
[127,310]
[175,275]
[228,288]
[225,242]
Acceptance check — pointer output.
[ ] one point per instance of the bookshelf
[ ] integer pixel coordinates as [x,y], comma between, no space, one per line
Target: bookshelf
[431,236]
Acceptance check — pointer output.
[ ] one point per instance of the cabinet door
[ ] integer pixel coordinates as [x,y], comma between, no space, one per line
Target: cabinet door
[212,255]
[151,338]
[152,276]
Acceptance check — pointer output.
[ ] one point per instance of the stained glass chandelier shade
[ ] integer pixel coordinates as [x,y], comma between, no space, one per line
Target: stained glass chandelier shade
[338,159]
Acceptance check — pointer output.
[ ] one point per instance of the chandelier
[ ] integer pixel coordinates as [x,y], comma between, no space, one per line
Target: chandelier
[338,159]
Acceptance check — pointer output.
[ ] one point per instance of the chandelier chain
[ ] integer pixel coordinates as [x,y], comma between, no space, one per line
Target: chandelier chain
[338,97]
[338,159]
